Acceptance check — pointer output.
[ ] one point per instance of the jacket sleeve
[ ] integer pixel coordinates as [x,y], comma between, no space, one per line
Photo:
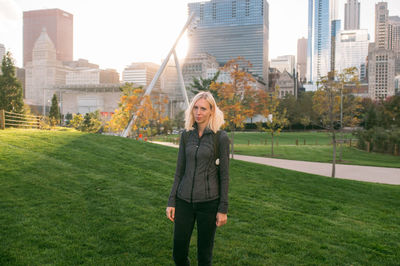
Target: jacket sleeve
[180,171]
[223,172]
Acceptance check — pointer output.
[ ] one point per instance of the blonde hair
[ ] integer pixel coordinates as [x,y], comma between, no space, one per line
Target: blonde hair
[217,116]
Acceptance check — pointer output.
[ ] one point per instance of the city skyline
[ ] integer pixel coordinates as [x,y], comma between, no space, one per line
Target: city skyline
[119,42]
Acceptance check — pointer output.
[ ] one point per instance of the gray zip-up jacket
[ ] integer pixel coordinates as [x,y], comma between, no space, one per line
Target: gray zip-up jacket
[196,176]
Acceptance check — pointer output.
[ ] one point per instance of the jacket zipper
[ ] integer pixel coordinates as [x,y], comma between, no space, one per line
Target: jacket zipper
[195,167]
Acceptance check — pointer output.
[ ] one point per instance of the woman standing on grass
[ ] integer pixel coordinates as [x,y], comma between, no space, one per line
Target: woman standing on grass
[200,189]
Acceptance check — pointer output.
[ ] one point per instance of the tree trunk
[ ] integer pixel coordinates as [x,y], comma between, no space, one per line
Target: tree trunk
[272,144]
[334,153]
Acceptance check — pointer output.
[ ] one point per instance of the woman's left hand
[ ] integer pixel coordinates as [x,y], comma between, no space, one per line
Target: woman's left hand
[221,219]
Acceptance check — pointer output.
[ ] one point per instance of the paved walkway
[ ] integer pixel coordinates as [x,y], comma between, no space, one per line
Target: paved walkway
[354,172]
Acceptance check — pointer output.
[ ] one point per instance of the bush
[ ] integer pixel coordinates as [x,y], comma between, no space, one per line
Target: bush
[380,139]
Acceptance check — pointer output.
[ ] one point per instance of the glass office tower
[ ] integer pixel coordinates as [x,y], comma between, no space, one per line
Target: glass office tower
[322,39]
[227,29]
[323,26]
[309,40]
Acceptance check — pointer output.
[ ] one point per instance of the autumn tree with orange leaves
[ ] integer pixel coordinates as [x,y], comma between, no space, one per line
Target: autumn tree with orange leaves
[159,118]
[133,102]
[236,99]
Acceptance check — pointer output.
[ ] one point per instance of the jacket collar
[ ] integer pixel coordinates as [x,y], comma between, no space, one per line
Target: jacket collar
[207,130]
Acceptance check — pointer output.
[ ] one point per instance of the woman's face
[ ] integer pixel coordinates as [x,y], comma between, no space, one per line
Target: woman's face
[202,111]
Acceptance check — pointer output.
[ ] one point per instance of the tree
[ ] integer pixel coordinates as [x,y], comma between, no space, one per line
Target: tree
[292,107]
[305,121]
[160,117]
[336,106]
[68,118]
[133,102]
[92,122]
[54,111]
[201,84]
[392,111]
[11,98]
[77,121]
[237,98]
[276,119]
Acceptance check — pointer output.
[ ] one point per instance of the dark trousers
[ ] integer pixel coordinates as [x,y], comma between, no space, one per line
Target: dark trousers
[185,216]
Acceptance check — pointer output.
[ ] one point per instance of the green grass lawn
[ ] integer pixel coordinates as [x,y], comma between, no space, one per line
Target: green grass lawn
[317,148]
[69,198]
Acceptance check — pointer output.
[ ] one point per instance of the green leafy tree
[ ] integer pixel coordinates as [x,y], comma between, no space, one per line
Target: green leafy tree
[276,119]
[201,84]
[305,107]
[54,111]
[336,106]
[392,111]
[68,118]
[305,121]
[77,121]
[11,98]
[292,107]
[92,122]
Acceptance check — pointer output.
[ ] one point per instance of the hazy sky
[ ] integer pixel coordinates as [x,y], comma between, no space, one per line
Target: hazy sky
[115,33]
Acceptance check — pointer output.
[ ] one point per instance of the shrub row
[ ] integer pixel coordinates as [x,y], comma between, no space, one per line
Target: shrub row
[379,140]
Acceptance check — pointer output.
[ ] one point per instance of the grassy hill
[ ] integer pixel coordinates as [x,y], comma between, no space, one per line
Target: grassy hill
[71,198]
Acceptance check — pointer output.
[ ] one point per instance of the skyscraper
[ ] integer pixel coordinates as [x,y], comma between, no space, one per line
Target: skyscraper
[322,39]
[394,39]
[381,25]
[141,73]
[381,72]
[323,27]
[352,15]
[59,27]
[43,72]
[230,28]
[282,63]
[302,58]
[309,41]
[352,49]
[382,54]
[394,34]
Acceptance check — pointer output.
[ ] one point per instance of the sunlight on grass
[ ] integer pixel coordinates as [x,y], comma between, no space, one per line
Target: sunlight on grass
[71,198]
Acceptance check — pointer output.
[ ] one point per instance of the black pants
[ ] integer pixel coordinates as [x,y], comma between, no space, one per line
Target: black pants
[185,215]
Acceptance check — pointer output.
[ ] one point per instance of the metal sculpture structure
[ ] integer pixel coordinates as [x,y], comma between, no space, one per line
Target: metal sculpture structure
[132,121]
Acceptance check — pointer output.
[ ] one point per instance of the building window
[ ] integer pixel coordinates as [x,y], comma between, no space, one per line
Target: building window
[201,12]
[234,9]
[214,11]
[247,8]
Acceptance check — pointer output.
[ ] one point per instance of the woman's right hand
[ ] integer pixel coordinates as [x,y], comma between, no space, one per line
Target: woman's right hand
[171,213]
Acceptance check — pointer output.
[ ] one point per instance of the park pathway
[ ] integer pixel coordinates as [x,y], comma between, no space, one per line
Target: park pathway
[354,172]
